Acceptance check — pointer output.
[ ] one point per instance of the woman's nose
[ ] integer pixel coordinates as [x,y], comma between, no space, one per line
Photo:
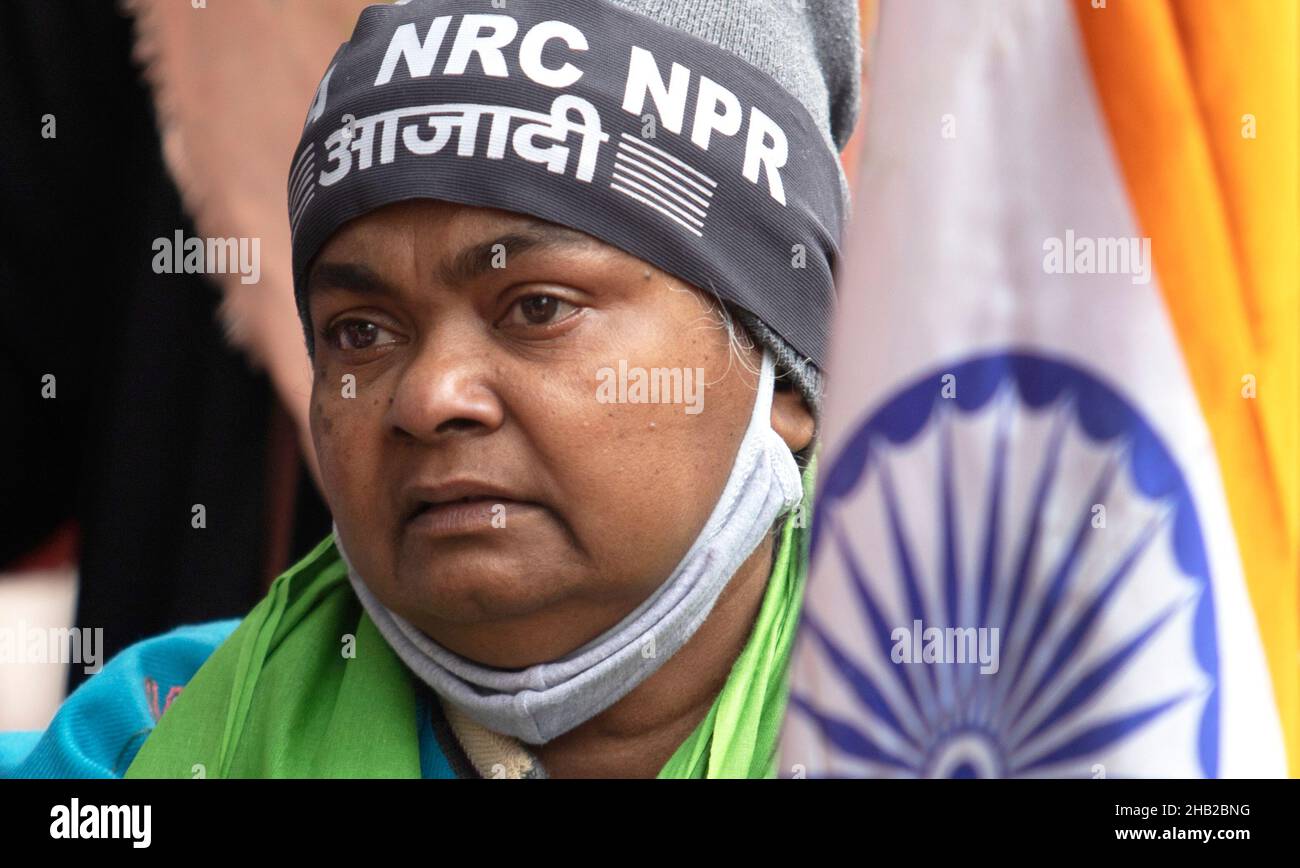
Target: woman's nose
[447,390]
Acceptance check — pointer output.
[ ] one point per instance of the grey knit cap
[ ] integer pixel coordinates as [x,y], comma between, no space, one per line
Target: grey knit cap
[381,118]
[812,48]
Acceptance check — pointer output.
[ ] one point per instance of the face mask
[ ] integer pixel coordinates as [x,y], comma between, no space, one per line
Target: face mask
[543,701]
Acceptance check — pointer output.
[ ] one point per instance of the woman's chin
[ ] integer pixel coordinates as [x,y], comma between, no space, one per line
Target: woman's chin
[509,616]
[482,587]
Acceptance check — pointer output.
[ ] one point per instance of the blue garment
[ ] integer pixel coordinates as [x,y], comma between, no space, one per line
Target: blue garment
[100,727]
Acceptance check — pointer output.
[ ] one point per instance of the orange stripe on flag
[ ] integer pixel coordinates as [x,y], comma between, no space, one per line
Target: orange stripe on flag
[1203,105]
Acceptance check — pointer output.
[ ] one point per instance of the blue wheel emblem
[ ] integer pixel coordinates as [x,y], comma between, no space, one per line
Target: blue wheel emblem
[1020,496]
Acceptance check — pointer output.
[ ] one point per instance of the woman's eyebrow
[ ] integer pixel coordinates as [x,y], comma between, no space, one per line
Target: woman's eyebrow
[461,268]
[475,261]
[350,276]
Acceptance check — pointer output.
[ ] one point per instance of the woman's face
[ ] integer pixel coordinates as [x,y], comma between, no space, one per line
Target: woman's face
[482,483]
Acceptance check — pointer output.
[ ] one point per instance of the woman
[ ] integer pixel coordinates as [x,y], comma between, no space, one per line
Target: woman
[564,274]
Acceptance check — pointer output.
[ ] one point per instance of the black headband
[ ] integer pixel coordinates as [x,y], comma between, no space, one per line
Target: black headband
[586,115]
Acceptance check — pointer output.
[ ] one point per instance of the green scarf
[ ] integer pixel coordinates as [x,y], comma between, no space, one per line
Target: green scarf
[306,687]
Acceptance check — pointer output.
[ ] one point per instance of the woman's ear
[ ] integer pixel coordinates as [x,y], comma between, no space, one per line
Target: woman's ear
[792,419]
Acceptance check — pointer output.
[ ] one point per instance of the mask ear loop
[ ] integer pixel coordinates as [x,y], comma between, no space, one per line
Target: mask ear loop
[784,466]
[766,387]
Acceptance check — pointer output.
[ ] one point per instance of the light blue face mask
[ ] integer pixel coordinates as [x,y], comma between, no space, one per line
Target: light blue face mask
[548,699]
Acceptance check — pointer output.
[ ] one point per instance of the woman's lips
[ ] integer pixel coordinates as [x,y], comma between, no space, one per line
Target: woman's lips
[468,516]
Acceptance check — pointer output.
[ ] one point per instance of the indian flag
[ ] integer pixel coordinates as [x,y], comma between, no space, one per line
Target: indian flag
[1056,530]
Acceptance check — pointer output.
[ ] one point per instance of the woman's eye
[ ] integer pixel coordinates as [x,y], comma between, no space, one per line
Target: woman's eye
[539,310]
[358,334]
